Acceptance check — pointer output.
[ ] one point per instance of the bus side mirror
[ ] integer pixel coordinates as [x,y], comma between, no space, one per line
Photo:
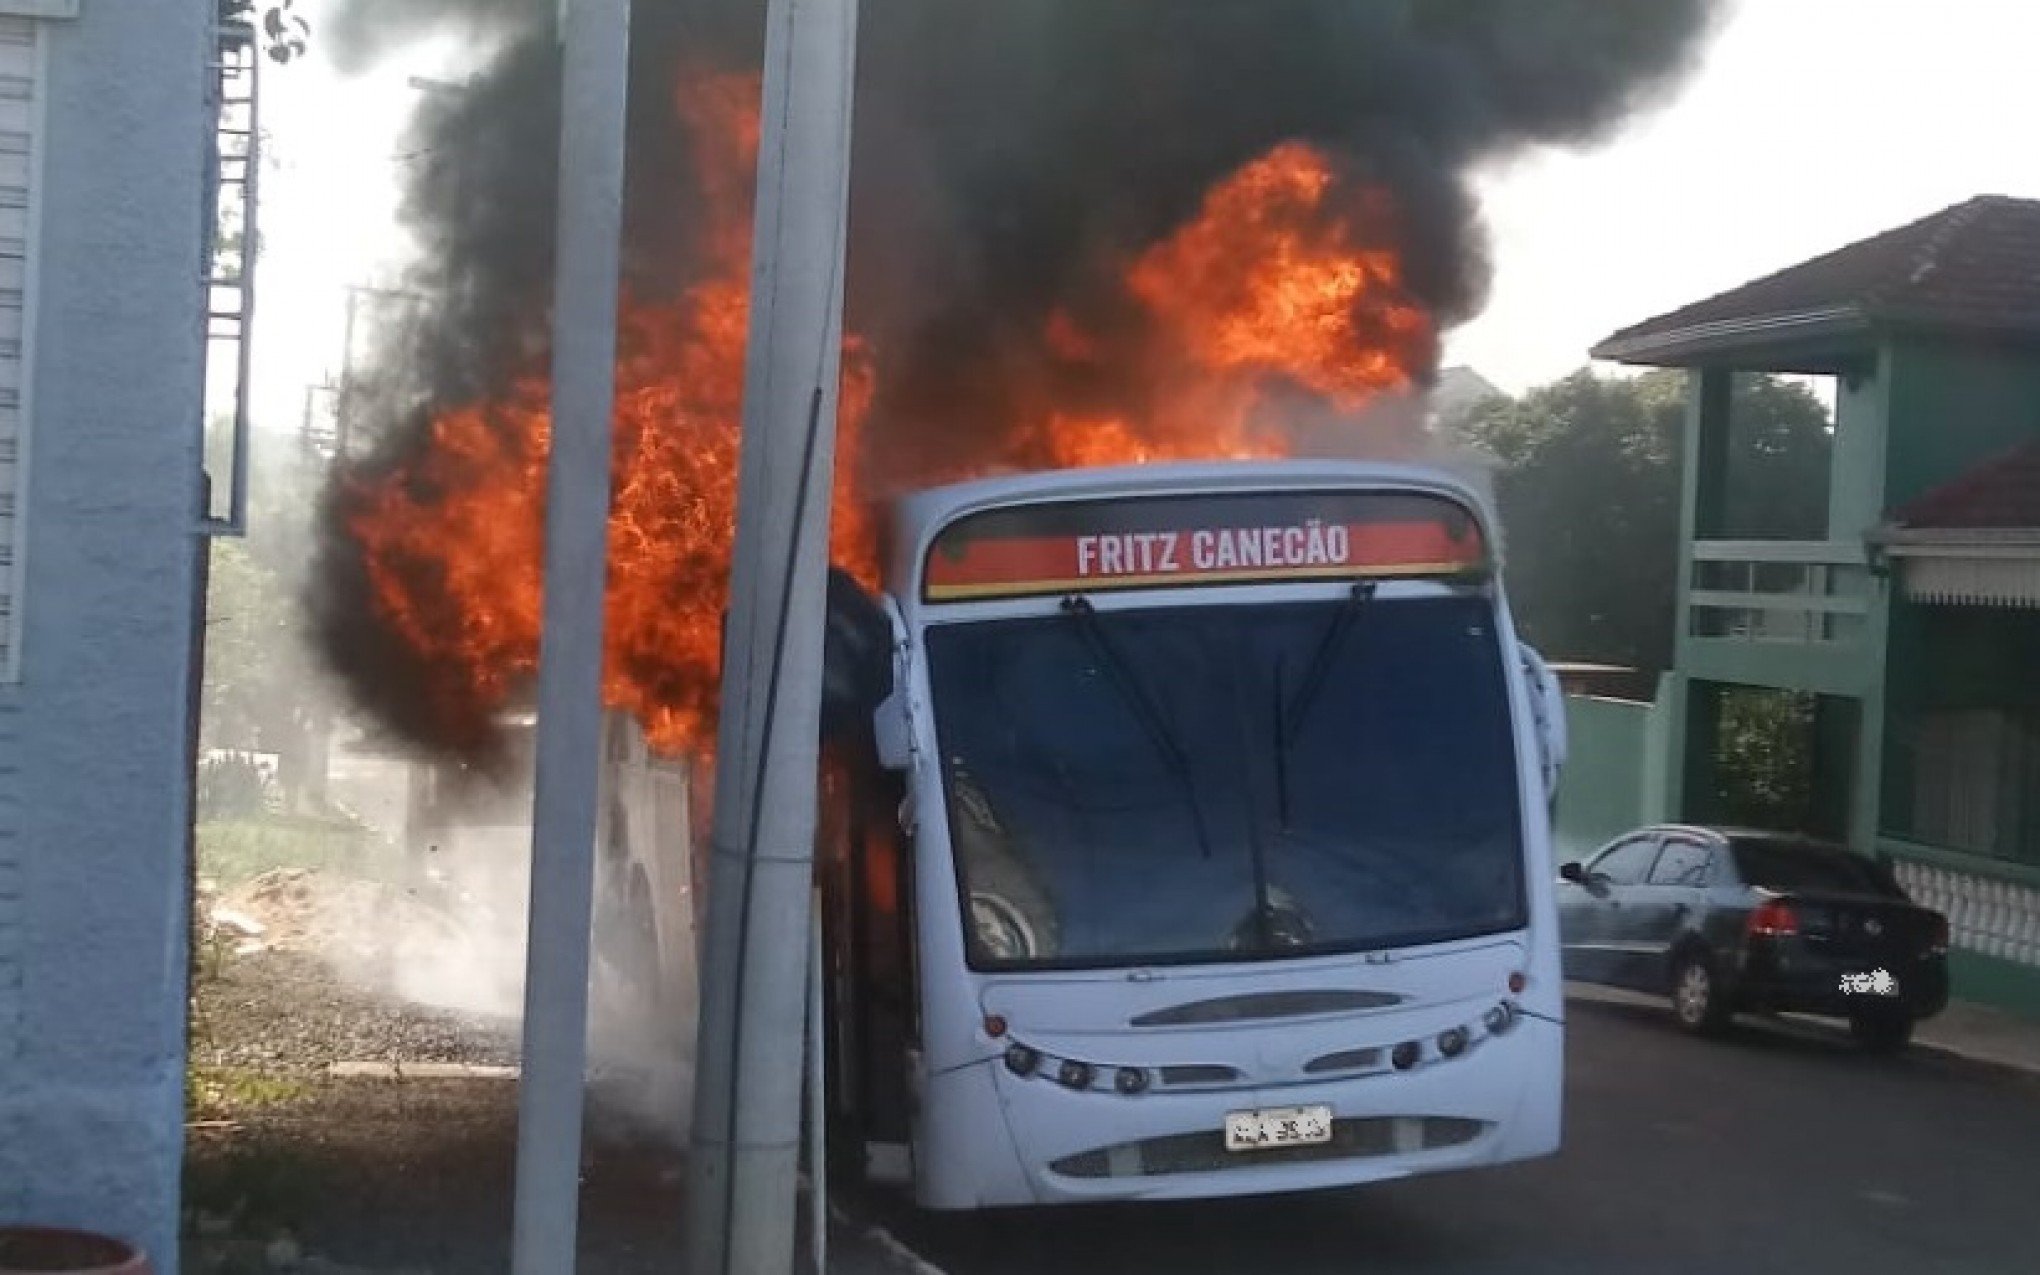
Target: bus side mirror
[893,733]
[856,656]
[1547,702]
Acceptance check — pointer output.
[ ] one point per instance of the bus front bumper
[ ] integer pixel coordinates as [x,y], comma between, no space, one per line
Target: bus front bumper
[1498,1104]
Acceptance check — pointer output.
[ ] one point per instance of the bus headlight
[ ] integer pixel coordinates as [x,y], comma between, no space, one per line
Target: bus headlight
[1130,1080]
[1074,1074]
[1501,1018]
[1452,1042]
[1406,1054]
[1020,1060]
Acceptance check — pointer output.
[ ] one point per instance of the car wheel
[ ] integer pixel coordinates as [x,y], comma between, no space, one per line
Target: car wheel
[1696,996]
[1882,1031]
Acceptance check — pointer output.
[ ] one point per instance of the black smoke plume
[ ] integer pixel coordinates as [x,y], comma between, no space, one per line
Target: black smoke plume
[1008,157]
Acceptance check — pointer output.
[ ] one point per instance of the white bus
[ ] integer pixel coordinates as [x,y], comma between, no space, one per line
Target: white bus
[1198,843]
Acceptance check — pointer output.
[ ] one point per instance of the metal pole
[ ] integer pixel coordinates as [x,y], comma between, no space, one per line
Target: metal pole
[747,1094]
[597,40]
[251,251]
[343,407]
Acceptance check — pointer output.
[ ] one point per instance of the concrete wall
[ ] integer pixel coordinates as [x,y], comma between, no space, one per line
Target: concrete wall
[1954,405]
[94,743]
[1856,484]
[1614,772]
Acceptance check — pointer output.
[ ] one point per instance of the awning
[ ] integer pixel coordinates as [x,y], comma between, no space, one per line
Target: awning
[1972,568]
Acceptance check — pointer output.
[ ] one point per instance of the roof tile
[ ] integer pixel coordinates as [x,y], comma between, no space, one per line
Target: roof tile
[1974,266]
[2001,494]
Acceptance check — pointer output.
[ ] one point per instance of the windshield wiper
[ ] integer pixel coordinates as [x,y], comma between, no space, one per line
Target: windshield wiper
[1320,667]
[1289,713]
[1079,608]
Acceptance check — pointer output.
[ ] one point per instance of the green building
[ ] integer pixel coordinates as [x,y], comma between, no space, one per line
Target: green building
[1906,643]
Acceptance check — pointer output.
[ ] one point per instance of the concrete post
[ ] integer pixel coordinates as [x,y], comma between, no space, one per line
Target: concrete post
[748,1079]
[1703,485]
[597,39]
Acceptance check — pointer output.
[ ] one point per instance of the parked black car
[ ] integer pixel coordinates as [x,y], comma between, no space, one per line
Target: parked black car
[1725,921]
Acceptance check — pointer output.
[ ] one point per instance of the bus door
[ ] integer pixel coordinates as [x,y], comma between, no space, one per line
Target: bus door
[872,1001]
[871,1004]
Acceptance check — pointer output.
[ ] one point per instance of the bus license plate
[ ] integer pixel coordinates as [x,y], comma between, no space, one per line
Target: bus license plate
[1277,1127]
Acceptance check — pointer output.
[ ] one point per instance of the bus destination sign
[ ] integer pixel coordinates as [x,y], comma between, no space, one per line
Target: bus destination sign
[1173,541]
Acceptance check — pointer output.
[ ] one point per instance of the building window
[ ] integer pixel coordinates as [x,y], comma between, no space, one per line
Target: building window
[1975,781]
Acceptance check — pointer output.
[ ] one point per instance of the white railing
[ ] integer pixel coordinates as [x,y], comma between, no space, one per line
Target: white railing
[1778,590]
[1993,918]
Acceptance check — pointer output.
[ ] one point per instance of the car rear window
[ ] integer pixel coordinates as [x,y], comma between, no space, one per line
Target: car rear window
[1796,865]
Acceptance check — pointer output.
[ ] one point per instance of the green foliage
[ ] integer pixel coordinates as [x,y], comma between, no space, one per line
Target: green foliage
[233,786]
[285,33]
[231,851]
[1589,488]
[1589,495]
[224,1093]
[210,953]
[250,642]
[261,682]
[1780,451]
[1764,756]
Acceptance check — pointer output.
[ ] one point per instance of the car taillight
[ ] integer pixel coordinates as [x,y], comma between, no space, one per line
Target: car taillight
[1937,936]
[1774,919]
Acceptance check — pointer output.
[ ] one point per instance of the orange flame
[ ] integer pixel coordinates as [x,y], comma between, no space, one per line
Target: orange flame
[1270,284]
[1266,281]
[453,540]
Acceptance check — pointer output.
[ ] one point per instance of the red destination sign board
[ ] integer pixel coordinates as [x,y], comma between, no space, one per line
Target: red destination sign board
[1151,542]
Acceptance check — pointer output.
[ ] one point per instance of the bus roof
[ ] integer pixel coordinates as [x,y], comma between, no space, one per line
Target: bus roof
[918,517]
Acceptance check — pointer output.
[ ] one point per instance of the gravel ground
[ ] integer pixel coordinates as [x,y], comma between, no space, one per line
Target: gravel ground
[290,1168]
[286,1012]
[416,1177]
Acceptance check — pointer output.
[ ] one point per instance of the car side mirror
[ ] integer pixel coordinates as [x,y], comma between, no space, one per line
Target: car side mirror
[1574,872]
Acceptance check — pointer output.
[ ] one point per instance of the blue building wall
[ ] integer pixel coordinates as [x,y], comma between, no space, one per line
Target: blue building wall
[94,733]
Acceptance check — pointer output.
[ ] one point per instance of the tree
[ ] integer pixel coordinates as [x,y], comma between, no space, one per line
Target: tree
[262,692]
[247,641]
[1764,759]
[1589,488]
[285,33]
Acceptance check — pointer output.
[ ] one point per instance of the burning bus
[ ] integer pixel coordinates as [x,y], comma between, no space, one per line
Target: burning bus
[468,830]
[1186,833]
[1040,290]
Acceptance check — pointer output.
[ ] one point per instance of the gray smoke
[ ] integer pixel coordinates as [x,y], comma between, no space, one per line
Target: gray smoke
[362,31]
[1010,157]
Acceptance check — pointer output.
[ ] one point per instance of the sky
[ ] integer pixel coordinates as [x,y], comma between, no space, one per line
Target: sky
[1807,124]
[1810,124]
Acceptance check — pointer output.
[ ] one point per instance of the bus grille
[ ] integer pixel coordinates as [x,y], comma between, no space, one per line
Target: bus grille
[1199,1074]
[1345,1060]
[1204,1152]
[1253,1005]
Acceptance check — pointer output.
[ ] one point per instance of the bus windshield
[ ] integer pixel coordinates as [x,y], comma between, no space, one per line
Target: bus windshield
[1228,782]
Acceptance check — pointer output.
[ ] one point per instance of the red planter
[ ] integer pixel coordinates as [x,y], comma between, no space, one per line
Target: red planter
[36,1250]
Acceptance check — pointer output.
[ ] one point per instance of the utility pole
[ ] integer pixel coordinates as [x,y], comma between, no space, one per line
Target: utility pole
[343,411]
[347,405]
[748,1077]
[596,35]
